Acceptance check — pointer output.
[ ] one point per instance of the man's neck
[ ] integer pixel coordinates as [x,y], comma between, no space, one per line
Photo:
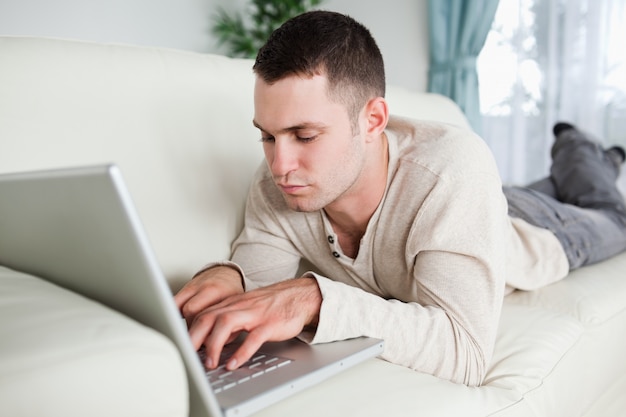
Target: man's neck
[350,216]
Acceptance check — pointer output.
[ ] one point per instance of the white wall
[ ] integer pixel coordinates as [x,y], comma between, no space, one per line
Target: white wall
[170,23]
[400,28]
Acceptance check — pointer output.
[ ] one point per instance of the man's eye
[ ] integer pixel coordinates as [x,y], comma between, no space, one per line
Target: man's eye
[267,139]
[308,139]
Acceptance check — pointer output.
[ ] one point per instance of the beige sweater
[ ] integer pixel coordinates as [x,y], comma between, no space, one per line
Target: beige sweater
[431,270]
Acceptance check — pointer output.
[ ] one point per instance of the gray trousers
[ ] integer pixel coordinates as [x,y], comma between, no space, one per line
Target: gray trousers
[579,202]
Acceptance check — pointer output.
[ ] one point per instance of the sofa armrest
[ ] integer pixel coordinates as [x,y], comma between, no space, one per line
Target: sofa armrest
[62,354]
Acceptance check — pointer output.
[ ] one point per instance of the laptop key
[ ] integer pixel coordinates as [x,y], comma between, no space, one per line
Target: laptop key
[222,379]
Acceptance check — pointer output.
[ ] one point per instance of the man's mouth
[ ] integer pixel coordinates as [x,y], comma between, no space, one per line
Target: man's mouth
[290,188]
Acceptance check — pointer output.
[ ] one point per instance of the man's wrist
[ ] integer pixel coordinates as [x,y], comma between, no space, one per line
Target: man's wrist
[313,299]
[223,269]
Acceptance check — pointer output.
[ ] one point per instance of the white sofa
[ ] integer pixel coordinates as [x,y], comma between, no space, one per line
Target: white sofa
[179,126]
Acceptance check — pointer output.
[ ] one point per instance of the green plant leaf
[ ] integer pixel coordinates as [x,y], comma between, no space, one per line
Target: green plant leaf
[264,16]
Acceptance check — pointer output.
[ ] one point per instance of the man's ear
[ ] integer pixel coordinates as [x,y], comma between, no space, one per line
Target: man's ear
[377,116]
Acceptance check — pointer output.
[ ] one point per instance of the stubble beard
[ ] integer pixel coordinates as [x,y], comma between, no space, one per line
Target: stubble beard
[317,199]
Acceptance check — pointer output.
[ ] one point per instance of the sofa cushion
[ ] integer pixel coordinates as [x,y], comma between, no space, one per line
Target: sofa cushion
[592,294]
[64,355]
[531,344]
[590,302]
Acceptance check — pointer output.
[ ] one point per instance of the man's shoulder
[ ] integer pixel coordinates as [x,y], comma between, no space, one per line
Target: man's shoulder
[440,148]
[425,136]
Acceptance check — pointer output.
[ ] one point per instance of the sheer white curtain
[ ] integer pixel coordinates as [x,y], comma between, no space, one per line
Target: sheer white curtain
[546,61]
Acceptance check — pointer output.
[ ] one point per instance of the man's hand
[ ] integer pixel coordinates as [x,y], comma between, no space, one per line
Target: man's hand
[207,289]
[273,313]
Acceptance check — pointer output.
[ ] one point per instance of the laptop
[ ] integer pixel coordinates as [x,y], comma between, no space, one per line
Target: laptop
[78,228]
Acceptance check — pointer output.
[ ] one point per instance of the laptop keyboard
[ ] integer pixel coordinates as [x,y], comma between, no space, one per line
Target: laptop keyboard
[261,363]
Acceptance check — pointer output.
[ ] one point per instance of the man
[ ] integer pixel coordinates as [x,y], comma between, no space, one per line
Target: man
[403,223]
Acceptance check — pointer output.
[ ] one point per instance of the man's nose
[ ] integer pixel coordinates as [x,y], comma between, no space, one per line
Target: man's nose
[284,157]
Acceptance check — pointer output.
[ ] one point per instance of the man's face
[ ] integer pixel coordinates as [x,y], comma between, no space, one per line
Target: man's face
[308,140]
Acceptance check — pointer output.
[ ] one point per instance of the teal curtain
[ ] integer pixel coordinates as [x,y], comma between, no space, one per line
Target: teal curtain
[458,30]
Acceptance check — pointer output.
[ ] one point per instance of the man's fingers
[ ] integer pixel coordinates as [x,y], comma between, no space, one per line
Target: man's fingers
[206,290]
[195,305]
[277,312]
[199,329]
[251,344]
[182,296]
[223,328]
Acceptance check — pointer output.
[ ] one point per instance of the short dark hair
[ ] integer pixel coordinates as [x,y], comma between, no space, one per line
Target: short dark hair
[329,43]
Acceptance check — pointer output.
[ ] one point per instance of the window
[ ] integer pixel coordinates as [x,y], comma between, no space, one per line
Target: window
[546,61]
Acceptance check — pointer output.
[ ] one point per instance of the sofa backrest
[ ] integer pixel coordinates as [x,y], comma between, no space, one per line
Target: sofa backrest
[179,125]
